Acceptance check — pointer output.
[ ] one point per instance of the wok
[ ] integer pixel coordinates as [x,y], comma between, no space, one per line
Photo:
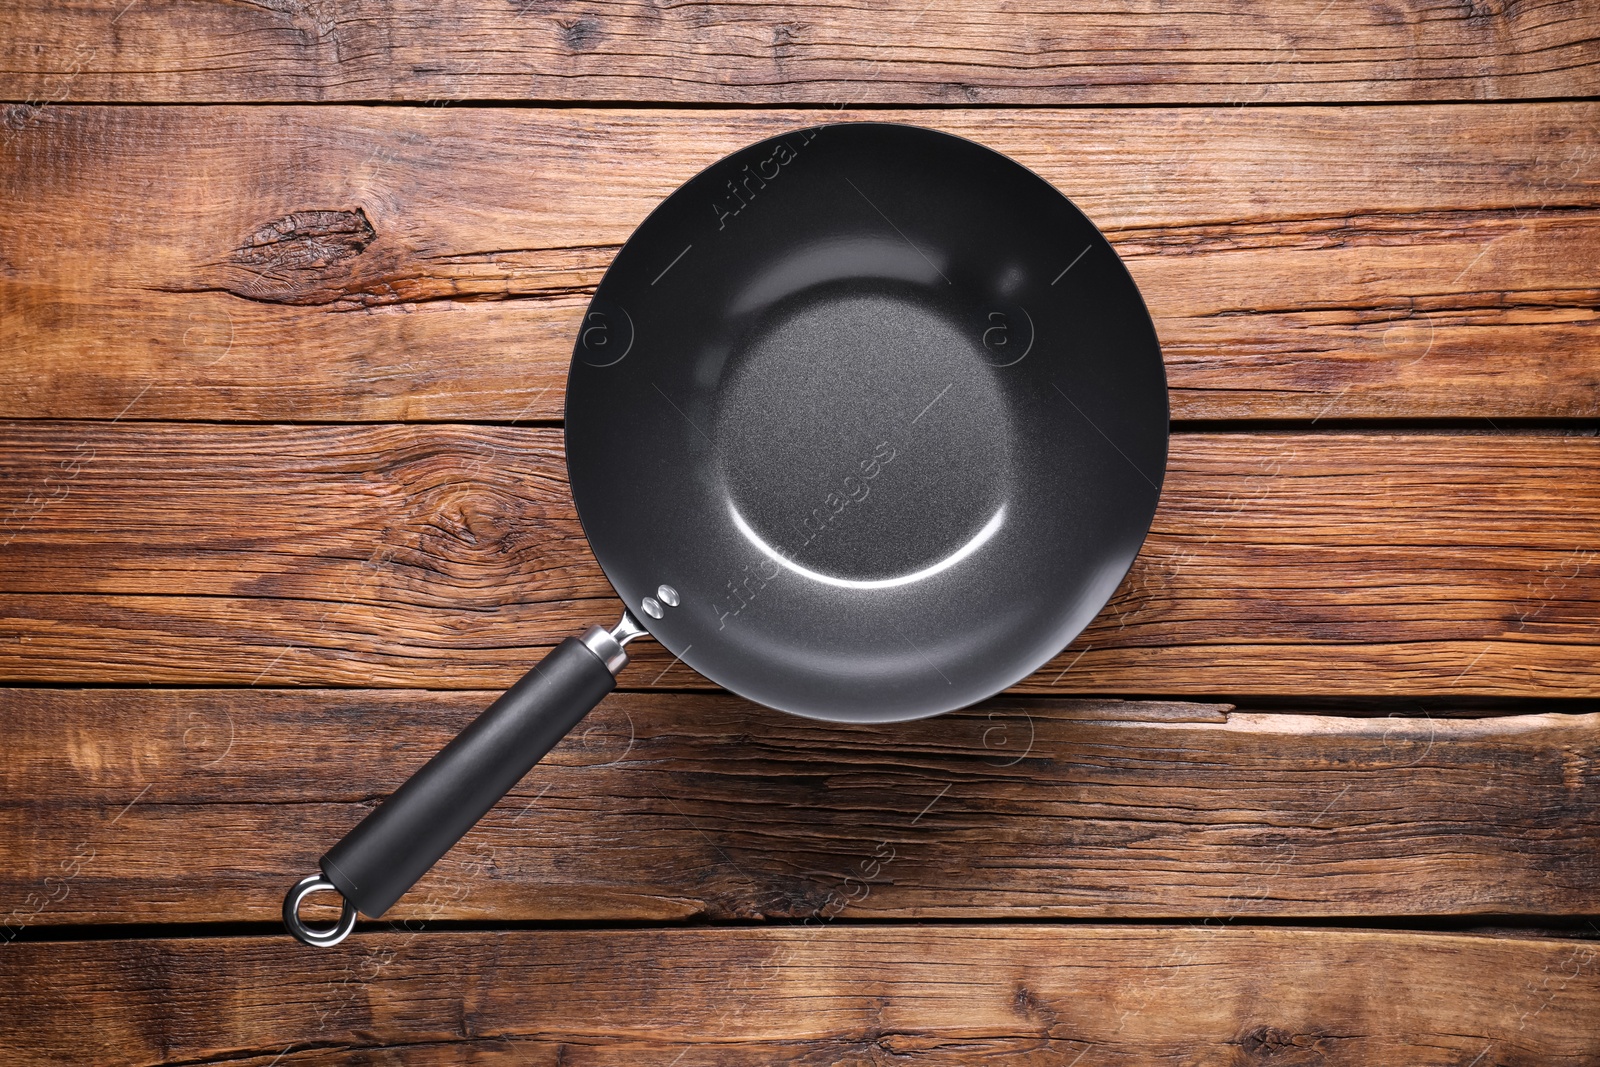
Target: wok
[865,423]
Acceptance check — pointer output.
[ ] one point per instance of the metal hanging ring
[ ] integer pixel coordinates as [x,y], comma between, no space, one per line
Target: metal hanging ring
[318,936]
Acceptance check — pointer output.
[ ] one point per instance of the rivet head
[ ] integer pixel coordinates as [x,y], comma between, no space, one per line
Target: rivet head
[668,595]
[651,607]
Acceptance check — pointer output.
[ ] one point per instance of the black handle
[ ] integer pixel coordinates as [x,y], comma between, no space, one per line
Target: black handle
[395,845]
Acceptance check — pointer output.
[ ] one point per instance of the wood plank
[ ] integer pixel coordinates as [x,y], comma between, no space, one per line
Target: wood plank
[1312,263]
[669,807]
[442,556]
[909,51]
[858,995]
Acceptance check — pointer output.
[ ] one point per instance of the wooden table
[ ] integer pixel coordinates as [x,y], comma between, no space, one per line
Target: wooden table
[288,292]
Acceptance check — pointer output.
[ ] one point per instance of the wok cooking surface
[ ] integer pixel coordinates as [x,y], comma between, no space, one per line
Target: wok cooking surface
[881,410]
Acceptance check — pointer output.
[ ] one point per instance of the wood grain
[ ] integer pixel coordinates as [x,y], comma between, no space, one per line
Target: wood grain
[338,263]
[283,382]
[671,807]
[869,995]
[942,52]
[442,556]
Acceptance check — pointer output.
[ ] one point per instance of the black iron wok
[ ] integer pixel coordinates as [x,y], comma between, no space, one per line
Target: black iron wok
[865,423]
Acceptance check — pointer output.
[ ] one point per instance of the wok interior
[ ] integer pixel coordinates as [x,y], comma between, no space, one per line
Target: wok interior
[889,466]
